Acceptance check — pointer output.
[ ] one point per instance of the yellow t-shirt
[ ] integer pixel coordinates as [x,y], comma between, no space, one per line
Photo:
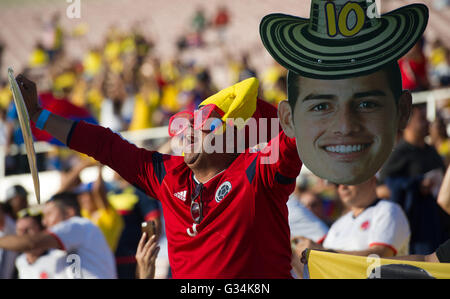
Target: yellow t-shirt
[92,63]
[169,100]
[38,58]
[143,110]
[110,223]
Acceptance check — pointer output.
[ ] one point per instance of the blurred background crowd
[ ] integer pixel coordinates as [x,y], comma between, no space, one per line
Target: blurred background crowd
[131,65]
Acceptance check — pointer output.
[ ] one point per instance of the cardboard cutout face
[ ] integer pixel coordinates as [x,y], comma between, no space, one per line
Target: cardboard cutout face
[345,129]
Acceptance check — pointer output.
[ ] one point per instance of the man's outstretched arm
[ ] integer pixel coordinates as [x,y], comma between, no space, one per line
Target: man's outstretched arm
[140,167]
[43,240]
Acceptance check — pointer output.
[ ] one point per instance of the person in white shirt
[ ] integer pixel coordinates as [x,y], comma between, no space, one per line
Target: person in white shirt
[303,223]
[38,263]
[372,226]
[88,253]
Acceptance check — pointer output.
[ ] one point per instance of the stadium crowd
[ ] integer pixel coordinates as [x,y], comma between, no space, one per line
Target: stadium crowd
[123,85]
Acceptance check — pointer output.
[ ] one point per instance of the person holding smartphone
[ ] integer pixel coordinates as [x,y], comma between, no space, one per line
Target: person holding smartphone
[147,251]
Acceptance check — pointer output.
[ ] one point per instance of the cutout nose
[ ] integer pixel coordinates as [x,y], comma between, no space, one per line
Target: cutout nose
[346,122]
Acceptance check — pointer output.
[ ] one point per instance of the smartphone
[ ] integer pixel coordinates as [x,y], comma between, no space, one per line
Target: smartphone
[149,228]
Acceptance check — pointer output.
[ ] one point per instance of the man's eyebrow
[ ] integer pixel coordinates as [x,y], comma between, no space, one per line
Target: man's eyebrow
[358,95]
[315,96]
[370,93]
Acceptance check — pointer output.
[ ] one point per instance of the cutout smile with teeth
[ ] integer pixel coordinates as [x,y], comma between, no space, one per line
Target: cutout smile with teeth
[346,149]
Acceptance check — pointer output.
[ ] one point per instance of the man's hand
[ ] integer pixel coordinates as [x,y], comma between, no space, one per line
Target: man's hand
[57,126]
[29,93]
[146,254]
[302,243]
[432,181]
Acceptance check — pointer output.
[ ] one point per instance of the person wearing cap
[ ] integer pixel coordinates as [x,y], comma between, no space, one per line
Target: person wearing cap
[225,212]
[16,199]
[345,101]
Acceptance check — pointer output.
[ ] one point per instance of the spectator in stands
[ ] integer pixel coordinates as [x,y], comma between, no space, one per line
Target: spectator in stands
[117,107]
[439,64]
[412,174]
[439,138]
[14,164]
[16,199]
[413,67]
[39,263]
[246,70]
[53,37]
[312,202]
[68,231]
[303,223]
[147,101]
[7,257]
[221,22]
[372,226]
[442,254]
[204,88]
[135,207]
[96,207]
[199,22]
[320,197]
[279,185]
[39,57]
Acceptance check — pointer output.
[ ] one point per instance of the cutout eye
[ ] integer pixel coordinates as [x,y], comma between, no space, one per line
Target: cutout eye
[368,105]
[321,107]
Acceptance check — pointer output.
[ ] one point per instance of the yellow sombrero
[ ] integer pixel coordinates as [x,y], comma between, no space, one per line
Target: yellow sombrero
[236,101]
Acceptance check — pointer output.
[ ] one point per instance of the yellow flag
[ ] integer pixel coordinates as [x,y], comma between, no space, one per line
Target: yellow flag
[327,265]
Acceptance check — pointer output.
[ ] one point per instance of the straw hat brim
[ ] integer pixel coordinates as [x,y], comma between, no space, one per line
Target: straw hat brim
[290,43]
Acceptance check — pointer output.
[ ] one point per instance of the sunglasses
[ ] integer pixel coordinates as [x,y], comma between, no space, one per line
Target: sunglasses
[199,119]
[197,206]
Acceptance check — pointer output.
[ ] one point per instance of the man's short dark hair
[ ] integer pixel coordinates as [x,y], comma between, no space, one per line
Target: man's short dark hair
[392,71]
[36,218]
[65,200]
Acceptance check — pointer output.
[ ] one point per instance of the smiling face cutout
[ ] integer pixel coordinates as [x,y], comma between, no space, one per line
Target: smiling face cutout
[345,129]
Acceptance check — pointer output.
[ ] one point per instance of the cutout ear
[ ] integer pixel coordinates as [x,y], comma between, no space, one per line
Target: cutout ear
[285,116]
[404,109]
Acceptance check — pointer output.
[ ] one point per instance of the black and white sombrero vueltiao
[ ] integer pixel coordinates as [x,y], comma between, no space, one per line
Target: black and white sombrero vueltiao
[342,38]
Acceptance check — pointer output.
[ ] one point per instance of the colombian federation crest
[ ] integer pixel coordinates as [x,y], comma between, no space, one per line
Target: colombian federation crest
[222,191]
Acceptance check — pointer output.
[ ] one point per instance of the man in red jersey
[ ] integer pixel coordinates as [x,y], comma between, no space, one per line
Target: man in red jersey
[225,212]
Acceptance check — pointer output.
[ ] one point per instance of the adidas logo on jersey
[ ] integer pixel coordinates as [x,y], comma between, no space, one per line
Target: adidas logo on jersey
[181,195]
